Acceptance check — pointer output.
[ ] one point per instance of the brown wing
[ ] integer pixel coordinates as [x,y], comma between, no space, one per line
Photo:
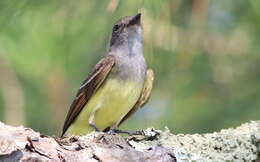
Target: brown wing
[146,93]
[87,88]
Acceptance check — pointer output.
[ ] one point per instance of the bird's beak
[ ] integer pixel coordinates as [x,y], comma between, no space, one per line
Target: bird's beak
[135,20]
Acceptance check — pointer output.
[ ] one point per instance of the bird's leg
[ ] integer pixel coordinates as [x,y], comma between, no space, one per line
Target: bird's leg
[92,123]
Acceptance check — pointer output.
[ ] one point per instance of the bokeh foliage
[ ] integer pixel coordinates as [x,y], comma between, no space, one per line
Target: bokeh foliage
[205,54]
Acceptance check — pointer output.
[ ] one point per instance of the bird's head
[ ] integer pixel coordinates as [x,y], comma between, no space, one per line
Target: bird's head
[127,31]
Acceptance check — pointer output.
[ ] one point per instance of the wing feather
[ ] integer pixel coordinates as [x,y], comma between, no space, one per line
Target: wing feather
[88,88]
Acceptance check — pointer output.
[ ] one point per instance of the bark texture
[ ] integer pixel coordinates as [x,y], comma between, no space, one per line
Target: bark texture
[239,144]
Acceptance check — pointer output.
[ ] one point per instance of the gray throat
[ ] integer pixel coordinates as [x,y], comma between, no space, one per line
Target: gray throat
[129,61]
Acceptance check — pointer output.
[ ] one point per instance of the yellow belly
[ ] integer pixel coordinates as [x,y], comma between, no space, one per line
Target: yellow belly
[109,105]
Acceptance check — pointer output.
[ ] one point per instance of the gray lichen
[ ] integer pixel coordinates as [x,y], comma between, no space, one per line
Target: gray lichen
[239,144]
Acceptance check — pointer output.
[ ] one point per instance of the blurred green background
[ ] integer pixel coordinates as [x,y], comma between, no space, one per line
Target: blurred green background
[205,54]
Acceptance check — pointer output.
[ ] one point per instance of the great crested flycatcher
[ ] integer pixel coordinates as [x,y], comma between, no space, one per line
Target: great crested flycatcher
[118,85]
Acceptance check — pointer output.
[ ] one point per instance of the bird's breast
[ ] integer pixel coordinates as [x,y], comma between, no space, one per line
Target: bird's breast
[111,102]
[130,68]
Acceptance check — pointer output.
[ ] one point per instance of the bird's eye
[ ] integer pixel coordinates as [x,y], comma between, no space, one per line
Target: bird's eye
[116,28]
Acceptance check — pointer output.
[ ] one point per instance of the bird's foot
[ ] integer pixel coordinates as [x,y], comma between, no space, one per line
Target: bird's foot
[109,131]
[130,133]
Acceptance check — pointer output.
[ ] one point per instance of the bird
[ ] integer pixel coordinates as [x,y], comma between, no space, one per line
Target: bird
[118,85]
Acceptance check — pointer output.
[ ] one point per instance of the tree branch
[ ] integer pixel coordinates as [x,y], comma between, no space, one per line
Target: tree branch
[239,144]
